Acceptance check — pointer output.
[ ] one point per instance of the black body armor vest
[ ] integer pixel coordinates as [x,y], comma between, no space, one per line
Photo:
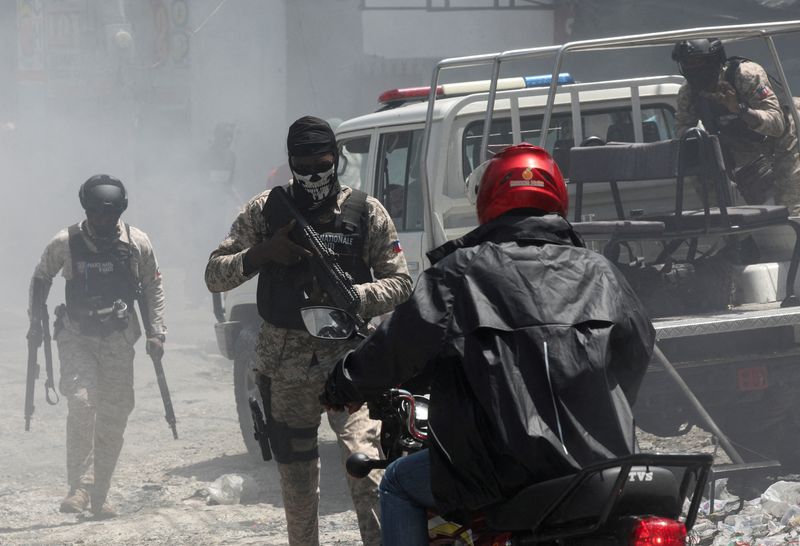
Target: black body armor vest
[284,290]
[98,280]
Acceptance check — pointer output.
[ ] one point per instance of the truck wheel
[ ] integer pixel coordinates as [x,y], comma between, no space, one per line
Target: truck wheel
[769,427]
[657,412]
[785,434]
[244,387]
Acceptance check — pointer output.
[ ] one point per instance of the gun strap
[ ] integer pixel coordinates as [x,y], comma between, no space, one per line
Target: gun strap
[731,69]
[39,315]
[49,384]
[144,309]
[733,65]
[777,85]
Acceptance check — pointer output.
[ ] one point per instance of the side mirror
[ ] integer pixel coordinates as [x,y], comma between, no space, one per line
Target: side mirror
[328,323]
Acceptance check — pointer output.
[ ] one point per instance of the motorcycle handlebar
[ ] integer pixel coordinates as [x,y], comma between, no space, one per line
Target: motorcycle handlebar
[397,408]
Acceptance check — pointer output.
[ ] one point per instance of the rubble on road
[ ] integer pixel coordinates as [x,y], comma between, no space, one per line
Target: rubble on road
[772,518]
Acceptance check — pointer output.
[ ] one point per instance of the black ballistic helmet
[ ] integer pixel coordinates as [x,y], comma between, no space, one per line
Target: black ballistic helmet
[101,191]
[703,51]
[700,61]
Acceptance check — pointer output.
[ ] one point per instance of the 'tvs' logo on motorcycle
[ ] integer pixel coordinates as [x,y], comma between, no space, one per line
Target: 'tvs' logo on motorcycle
[637,476]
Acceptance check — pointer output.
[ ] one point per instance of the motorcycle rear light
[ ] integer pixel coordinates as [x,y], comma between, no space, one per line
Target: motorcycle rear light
[655,531]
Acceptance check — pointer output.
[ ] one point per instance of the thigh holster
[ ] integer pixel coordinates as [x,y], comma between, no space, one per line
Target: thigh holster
[292,445]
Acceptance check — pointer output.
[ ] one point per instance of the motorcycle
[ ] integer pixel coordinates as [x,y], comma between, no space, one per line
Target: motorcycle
[638,500]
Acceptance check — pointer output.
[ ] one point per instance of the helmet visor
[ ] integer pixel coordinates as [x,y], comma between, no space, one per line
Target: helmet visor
[473,182]
[701,71]
[104,196]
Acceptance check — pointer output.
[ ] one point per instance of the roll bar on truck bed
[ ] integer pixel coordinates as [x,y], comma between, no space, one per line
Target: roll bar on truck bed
[764,31]
[693,325]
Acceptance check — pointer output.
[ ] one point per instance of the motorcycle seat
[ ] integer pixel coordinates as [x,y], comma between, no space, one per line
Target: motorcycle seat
[648,490]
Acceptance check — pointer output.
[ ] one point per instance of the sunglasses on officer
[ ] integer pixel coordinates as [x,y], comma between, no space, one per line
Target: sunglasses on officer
[312,164]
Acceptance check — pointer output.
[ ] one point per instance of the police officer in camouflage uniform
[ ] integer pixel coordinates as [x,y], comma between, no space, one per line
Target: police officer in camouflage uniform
[733,98]
[360,231]
[104,262]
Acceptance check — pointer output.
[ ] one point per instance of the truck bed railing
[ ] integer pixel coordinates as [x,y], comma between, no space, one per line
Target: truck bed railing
[765,31]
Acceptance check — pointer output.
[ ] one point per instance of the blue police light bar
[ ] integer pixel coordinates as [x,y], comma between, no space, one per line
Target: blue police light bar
[399,96]
[545,79]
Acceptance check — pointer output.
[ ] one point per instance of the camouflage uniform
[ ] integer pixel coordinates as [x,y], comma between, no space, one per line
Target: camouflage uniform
[97,372]
[752,86]
[298,365]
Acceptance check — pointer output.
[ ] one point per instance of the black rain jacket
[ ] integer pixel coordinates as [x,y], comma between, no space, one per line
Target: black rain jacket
[529,338]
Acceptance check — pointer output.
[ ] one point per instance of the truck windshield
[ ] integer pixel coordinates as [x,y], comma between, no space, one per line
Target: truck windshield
[611,125]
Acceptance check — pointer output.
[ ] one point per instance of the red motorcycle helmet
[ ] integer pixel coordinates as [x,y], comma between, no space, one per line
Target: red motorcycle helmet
[523,176]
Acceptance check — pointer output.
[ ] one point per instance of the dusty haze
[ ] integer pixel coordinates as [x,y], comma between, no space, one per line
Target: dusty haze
[136,88]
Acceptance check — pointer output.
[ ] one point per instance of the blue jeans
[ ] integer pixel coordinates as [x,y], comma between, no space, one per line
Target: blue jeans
[405,497]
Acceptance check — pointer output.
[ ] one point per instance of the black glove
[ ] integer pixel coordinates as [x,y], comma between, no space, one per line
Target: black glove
[340,391]
[155,347]
[278,248]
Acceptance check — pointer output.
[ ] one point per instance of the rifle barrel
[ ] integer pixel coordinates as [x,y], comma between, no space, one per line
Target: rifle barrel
[169,414]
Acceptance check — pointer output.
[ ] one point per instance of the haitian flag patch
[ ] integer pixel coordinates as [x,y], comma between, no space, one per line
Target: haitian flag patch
[396,248]
[762,91]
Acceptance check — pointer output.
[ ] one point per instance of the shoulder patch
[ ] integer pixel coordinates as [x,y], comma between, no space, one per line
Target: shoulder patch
[762,91]
[396,248]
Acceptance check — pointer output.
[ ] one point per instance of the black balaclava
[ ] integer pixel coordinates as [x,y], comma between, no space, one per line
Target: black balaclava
[308,136]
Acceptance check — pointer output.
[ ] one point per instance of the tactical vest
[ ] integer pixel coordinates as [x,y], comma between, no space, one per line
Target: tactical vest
[99,278]
[284,290]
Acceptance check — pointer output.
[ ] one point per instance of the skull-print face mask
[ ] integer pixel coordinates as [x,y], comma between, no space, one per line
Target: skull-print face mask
[317,184]
[312,149]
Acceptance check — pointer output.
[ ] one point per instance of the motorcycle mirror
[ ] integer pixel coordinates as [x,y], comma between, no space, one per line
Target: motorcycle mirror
[328,323]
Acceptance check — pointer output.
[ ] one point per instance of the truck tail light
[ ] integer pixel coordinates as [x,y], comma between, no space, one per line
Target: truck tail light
[655,531]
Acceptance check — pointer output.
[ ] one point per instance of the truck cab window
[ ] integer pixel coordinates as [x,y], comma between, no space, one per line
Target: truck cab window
[611,125]
[398,178]
[353,155]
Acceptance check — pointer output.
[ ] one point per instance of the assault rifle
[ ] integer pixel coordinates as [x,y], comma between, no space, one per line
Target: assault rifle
[325,267]
[38,334]
[169,413]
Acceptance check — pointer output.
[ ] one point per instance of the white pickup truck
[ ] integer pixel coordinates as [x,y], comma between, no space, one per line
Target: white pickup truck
[742,363]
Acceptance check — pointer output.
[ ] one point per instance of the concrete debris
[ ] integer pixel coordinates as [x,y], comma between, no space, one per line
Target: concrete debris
[768,520]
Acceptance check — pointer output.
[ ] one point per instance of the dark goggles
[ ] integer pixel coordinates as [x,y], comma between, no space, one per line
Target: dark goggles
[701,66]
[311,167]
